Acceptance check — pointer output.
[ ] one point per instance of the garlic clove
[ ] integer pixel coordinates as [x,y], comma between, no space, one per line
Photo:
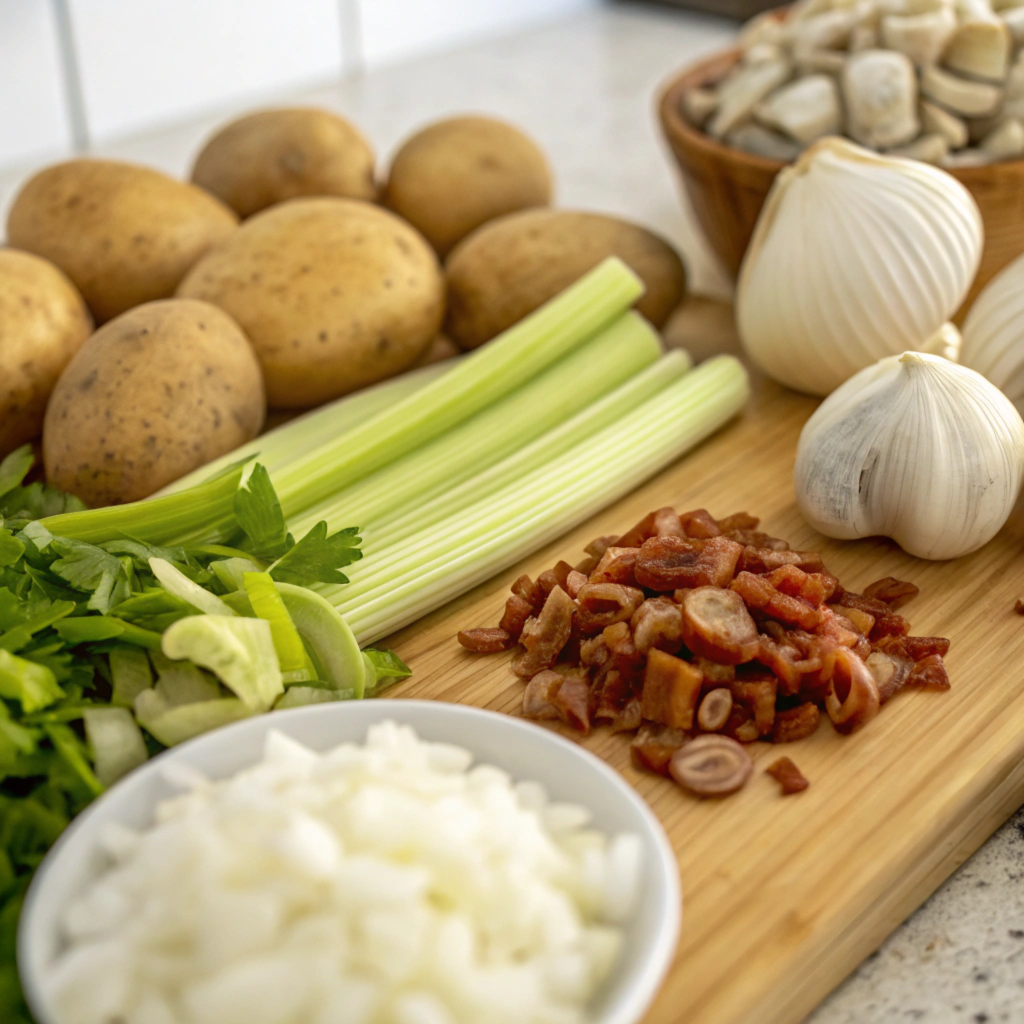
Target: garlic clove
[994,333]
[1005,142]
[698,105]
[805,109]
[740,93]
[980,49]
[915,448]
[932,149]
[920,37]
[761,141]
[946,342]
[971,99]
[856,255]
[880,93]
[936,121]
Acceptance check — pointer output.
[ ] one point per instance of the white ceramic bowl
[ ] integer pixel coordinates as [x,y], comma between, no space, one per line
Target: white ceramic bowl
[524,750]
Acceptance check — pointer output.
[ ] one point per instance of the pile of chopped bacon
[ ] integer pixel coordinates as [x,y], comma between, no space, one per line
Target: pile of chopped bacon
[687,625]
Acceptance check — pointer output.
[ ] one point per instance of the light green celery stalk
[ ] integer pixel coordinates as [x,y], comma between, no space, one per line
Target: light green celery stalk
[450,558]
[277,447]
[611,409]
[479,380]
[575,382]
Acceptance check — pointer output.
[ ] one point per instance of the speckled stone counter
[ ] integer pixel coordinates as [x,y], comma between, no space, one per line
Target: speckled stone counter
[585,89]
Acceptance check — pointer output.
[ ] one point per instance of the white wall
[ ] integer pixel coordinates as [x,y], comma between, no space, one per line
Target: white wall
[130,66]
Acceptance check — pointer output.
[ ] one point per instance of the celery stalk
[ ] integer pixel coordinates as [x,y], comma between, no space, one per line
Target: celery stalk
[570,386]
[398,586]
[267,604]
[490,373]
[277,447]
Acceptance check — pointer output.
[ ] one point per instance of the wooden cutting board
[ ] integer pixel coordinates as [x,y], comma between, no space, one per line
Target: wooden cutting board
[783,897]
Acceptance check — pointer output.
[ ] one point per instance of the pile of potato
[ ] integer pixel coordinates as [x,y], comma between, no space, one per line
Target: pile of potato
[282,275]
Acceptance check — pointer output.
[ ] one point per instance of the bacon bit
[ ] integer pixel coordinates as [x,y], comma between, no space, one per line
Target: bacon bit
[711,765]
[766,559]
[667,524]
[756,539]
[738,521]
[629,719]
[485,641]
[714,565]
[852,699]
[914,648]
[638,534]
[758,696]
[572,701]
[545,635]
[529,591]
[671,690]
[610,695]
[618,638]
[887,622]
[602,604]
[662,562]
[574,581]
[740,725]
[658,622]
[714,672]
[813,587]
[787,775]
[715,709]
[758,592]
[717,625]
[600,545]
[538,697]
[700,523]
[796,723]
[653,746]
[895,593]
[891,672]
[787,662]
[611,554]
[594,651]
[930,673]
[861,621]
[557,577]
[517,611]
[838,627]
[621,569]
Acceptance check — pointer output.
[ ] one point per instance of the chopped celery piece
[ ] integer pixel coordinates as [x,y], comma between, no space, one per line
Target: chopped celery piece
[131,674]
[181,682]
[396,586]
[34,686]
[496,369]
[115,742]
[208,509]
[569,387]
[327,637]
[175,582]
[383,669]
[87,628]
[268,604]
[171,726]
[230,571]
[239,651]
[277,447]
[303,696]
[71,749]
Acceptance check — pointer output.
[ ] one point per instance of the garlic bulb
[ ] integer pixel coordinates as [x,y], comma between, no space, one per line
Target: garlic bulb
[855,256]
[994,333]
[915,448]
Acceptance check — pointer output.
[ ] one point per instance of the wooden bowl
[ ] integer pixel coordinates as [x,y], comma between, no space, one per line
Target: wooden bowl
[728,187]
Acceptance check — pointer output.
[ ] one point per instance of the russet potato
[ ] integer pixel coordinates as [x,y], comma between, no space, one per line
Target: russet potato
[334,294]
[509,267]
[272,155]
[43,323]
[157,392]
[124,234]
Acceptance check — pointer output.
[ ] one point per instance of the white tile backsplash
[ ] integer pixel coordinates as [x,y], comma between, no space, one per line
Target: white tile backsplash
[147,62]
[33,118]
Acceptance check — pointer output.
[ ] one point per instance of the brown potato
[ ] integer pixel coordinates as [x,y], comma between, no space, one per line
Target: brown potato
[459,173]
[334,294]
[43,322]
[509,267]
[273,155]
[123,234]
[160,391]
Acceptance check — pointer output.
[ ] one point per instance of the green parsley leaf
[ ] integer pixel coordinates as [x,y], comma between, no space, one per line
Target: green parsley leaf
[317,558]
[37,620]
[33,686]
[11,549]
[85,628]
[88,567]
[259,514]
[15,467]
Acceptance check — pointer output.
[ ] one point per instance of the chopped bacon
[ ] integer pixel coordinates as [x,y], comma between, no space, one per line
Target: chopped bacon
[887,622]
[654,745]
[594,651]
[485,641]
[715,709]
[601,604]
[545,635]
[788,663]
[714,565]
[813,587]
[619,569]
[852,699]
[662,562]
[638,534]
[629,719]
[717,625]
[796,723]
[891,672]
[838,627]
[611,554]
[517,611]
[529,591]
[895,593]
[738,521]
[574,581]
[788,776]
[756,539]
[930,673]
[741,725]
[700,523]
[538,697]
[658,622]
[715,674]
[667,524]
[914,648]
[610,695]
[557,577]
[572,701]
[762,560]
[758,592]
[671,690]
[758,696]
[861,621]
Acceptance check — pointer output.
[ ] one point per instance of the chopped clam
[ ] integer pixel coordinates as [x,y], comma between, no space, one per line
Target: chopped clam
[742,92]
[829,31]
[1006,142]
[1014,19]
[765,28]
[761,141]
[805,109]
[930,148]
[972,99]
[910,8]
[936,121]
[761,52]
[880,92]
[825,62]
[698,105]
[980,49]
[864,37]
[922,37]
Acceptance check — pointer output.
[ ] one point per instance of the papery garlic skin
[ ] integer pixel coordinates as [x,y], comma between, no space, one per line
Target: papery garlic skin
[855,256]
[915,448]
[993,336]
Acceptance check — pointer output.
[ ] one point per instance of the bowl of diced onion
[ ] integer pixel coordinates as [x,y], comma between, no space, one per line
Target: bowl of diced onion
[358,862]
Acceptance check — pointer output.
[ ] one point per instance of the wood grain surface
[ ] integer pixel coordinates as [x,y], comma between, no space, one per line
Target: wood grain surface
[784,896]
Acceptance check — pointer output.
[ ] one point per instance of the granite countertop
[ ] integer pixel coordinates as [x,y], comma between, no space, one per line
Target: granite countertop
[584,88]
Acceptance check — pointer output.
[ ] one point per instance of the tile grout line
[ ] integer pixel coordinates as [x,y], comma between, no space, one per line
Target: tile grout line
[72,78]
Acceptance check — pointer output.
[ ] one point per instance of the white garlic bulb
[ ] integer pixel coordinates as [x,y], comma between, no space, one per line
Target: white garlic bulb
[855,256]
[915,448]
[993,342]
